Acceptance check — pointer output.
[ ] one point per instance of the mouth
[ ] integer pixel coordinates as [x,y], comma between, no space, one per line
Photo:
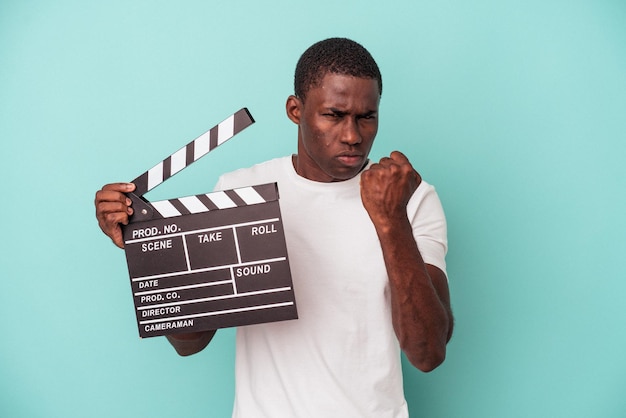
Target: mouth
[351,160]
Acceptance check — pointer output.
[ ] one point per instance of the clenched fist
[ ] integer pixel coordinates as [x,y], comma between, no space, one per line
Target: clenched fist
[386,188]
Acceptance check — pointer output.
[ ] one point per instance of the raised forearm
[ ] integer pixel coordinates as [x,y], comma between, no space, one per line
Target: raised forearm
[421,315]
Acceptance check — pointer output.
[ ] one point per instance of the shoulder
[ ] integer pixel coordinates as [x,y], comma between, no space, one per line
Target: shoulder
[425,207]
[425,193]
[265,172]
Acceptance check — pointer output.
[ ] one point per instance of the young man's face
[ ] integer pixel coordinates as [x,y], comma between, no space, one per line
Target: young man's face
[337,124]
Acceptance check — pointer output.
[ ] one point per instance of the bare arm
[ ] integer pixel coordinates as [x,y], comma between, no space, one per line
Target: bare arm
[420,301]
[113,210]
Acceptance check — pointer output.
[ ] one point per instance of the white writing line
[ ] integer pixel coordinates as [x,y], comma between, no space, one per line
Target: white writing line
[186,255]
[191,286]
[222,267]
[215,228]
[227,311]
[214,298]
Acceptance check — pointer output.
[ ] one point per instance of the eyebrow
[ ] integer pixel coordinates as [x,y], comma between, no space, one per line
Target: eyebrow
[343,112]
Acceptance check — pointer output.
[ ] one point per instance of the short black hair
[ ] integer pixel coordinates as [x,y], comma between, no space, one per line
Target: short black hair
[337,56]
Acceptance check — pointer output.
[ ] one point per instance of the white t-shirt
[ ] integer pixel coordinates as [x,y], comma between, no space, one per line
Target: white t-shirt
[341,358]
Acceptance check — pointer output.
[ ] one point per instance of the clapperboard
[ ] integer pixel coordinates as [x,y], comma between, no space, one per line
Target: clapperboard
[209,261]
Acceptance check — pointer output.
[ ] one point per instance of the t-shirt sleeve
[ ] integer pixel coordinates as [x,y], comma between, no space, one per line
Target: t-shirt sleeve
[430,230]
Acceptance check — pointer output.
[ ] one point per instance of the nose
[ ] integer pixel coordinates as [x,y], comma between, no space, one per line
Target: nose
[351,133]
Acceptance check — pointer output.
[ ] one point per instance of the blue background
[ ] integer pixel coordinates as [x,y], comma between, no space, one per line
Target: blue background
[514,110]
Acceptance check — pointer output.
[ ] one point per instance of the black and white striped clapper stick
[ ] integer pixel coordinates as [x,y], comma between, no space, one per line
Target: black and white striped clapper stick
[193,151]
[181,159]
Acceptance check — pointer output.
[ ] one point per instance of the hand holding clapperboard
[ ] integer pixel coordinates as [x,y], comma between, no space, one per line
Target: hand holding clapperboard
[209,261]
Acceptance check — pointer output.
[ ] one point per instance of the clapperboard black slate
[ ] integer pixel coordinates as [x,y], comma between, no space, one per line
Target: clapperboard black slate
[208,261]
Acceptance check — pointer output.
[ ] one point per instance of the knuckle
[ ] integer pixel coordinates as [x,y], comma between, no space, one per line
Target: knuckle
[111,219]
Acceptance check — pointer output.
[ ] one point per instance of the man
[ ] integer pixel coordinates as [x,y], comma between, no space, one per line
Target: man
[366,245]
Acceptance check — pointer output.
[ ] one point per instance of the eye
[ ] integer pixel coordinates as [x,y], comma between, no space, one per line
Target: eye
[368,116]
[334,114]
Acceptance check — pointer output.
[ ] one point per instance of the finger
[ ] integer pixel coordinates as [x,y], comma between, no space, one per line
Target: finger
[112,196]
[119,187]
[112,220]
[385,162]
[401,160]
[109,217]
[110,206]
[398,157]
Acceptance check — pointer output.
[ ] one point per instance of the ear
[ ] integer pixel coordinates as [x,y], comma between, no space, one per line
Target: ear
[294,109]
